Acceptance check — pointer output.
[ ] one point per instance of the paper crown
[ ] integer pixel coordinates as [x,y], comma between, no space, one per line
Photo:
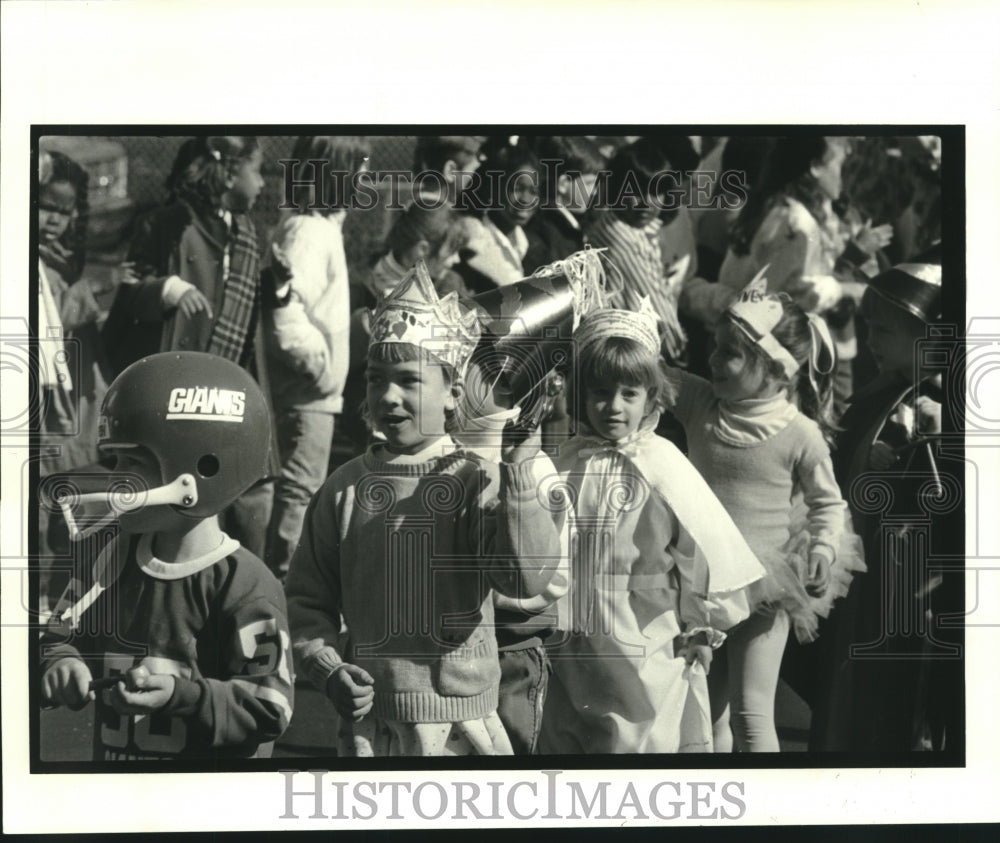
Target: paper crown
[412,313]
[756,312]
[915,287]
[640,326]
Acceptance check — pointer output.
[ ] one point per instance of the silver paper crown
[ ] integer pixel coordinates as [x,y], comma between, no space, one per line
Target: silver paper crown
[413,313]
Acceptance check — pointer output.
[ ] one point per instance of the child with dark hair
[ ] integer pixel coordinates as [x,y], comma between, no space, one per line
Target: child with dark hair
[64,306]
[433,236]
[628,227]
[569,168]
[446,155]
[197,258]
[307,333]
[882,689]
[758,435]
[199,288]
[496,243]
[791,226]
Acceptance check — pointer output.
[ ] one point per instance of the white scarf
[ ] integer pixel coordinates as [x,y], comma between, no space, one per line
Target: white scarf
[753,420]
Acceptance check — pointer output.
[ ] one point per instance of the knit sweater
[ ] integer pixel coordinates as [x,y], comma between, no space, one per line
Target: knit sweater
[757,481]
[405,556]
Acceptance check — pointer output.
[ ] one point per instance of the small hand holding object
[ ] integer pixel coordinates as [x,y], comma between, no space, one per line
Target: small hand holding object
[193,302]
[67,683]
[819,575]
[881,457]
[520,443]
[142,692]
[928,416]
[870,240]
[700,653]
[351,689]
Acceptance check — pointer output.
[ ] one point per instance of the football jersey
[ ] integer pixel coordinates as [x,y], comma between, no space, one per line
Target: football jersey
[216,623]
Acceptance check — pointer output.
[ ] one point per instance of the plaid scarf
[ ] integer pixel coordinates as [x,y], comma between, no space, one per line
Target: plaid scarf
[233,330]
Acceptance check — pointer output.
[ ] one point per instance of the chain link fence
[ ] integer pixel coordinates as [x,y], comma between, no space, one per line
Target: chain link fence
[883,176]
[150,159]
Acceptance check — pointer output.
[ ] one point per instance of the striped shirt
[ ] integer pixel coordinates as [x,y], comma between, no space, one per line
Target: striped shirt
[636,254]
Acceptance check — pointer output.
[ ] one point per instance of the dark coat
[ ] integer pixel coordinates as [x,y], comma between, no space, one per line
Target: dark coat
[175,240]
[551,237]
[881,653]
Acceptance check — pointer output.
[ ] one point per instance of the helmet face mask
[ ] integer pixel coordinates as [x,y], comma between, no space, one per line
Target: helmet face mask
[193,432]
[140,465]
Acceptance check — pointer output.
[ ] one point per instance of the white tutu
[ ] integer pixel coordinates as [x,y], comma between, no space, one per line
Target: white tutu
[788,569]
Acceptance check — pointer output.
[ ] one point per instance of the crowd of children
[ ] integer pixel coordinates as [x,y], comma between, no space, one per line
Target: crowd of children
[596,484]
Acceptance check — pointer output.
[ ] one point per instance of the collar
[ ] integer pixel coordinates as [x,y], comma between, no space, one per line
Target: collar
[629,446]
[438,447]
[753,420]
[516,241]
[158,569]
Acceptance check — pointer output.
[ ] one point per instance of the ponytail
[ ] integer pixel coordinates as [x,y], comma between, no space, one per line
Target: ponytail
[205,167]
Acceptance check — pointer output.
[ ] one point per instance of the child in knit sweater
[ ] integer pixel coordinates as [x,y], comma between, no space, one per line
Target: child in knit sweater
[391,588]
[755,433]
[658,570]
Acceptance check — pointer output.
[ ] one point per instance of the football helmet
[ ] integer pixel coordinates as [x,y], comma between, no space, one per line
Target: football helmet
[204,420]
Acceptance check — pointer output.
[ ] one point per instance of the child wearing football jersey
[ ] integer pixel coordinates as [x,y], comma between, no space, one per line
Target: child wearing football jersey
[390,591]
[177,633]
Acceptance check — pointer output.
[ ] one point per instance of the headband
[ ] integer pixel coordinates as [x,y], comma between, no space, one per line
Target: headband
[640,326]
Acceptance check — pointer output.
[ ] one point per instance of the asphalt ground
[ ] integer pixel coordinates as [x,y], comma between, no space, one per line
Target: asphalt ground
[67,735]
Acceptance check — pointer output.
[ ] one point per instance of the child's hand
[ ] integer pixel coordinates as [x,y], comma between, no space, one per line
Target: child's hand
[124,273]
[351,689]
[928,416]
[142,692]
[67,683]
[193,302]
[819,575]
[54,251]
[280,264]
[881,457]
[700,653]
[870,240]
[520,444]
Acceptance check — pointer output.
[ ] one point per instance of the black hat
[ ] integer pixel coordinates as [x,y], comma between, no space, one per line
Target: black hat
[915,287]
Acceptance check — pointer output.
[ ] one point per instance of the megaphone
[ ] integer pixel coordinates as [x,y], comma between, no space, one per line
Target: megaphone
[527,327]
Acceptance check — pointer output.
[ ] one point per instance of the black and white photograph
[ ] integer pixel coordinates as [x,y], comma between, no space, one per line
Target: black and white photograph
[402,468]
